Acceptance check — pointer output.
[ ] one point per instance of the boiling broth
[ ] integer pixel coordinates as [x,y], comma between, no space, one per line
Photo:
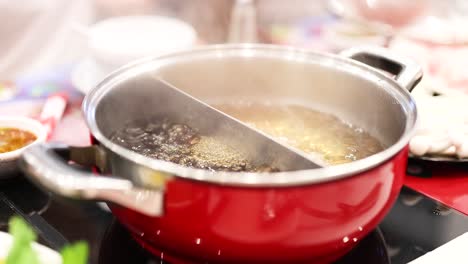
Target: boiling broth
[161,139]
[312,131]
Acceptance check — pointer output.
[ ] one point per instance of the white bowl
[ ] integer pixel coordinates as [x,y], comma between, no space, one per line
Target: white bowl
[8,159]
[119,40]
[45,254]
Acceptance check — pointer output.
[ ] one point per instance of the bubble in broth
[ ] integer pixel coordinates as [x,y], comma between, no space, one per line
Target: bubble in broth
[311,131]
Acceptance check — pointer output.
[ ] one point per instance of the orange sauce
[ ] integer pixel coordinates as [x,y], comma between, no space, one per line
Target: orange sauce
[14,138]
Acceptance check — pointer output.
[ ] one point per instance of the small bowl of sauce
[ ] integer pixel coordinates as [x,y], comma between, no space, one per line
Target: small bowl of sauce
[16,134]
[12,138]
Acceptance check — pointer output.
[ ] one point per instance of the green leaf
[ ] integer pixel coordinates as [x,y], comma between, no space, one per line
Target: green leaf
[21,251]
[76,253]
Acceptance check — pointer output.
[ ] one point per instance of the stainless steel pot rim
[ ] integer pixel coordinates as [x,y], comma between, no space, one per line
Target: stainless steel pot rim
[278,179]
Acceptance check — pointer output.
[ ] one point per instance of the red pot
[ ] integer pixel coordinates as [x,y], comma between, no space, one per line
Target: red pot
[316,223]
[194,216]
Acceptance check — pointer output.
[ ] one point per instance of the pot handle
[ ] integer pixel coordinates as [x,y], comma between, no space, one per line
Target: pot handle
[406,71]
[43,165]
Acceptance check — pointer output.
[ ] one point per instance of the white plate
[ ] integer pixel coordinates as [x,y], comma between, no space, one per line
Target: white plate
[45,254]
[117,41]
[86,75]
[453,252]
[343,35]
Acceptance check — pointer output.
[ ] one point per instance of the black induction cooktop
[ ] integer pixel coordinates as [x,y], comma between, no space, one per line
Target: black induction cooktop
[415,225]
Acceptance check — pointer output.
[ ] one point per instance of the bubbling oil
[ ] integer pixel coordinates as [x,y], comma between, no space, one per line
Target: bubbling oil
[312,131]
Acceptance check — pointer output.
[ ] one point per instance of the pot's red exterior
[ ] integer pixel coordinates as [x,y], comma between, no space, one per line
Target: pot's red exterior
[315,223]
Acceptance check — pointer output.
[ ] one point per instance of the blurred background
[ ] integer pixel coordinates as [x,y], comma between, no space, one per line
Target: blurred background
[50,46]
[43,32]
[47,33]
[55,45]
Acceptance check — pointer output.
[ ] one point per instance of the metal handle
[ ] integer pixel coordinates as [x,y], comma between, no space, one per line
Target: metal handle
[42,164]
[407,72]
